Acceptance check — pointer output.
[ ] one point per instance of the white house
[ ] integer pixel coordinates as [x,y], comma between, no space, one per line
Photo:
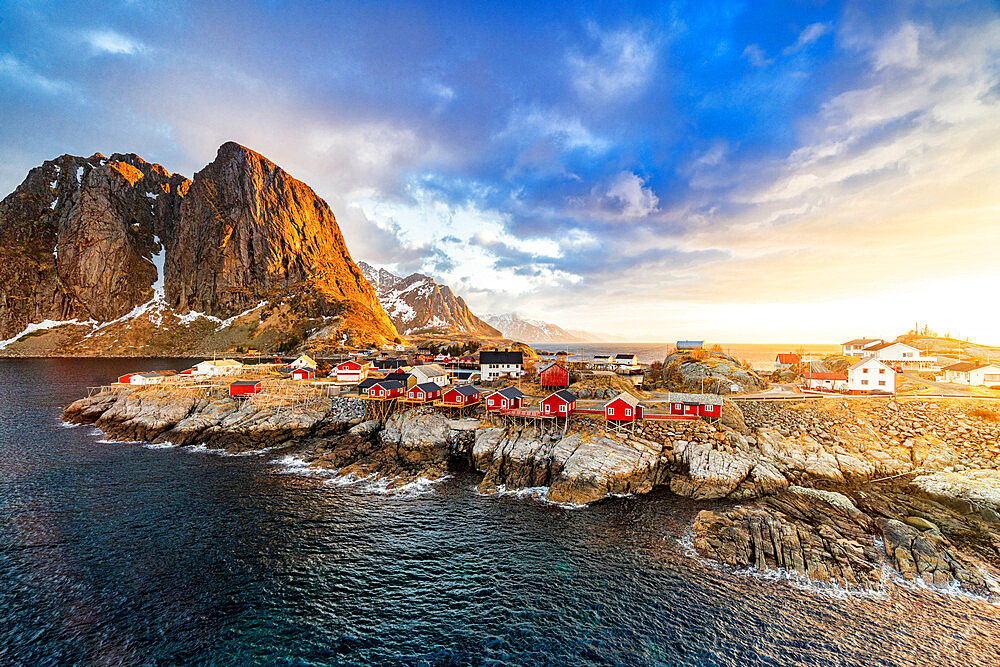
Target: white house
[352,372]
[303,361]
[900,355]
[495,364]
[857,347]
[972,373]
[626,362]
[428,373]
[871,375]
[825,381]
[215,368]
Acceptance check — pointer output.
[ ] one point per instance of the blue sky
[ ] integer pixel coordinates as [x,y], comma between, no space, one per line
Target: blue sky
[792,171]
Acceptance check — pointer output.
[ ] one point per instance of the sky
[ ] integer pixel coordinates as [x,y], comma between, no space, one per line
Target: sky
[732,171]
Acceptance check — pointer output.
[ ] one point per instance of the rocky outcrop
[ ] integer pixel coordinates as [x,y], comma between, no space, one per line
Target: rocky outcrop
[576,469]
[418,305]
[833,536]
[708,371]
[80,239]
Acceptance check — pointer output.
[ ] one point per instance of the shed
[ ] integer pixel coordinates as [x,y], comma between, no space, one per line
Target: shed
[553,375]
[244,387]
[623,408]
[508,398]
[304,374]
[561,403]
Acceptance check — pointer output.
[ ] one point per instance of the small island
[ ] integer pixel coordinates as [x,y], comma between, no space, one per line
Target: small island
[834,489]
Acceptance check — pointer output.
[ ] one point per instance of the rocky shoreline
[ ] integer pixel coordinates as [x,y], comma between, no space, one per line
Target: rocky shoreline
[811,474]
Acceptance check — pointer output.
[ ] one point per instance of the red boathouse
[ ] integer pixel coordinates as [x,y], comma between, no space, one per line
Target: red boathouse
[387,389]
[553,376]
[303,374]
[425,391]
[244,387]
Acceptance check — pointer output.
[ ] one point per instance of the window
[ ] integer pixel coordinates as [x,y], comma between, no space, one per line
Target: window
[881,371]
[864,382]
[611,412]
[548,409]
[881,383]
[628,412]
[562,408]
[864,370]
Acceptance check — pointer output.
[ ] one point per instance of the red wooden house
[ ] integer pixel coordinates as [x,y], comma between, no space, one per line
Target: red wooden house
[352,371]
[244,387]
[553,376]
[623,408]
[303,374]
[508,398]
[387,389]
[464,395]
[561,403]
[425,391]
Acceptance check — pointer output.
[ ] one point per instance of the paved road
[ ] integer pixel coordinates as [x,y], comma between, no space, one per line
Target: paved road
[942,388]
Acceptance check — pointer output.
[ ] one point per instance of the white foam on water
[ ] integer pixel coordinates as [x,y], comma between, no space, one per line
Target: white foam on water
[539,493]
[105,441]
[159,445]
[199,448]
[293,465]
[66,424]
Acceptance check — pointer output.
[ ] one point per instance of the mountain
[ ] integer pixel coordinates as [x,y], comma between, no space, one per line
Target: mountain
[118,256]
[516,327]
[418,305]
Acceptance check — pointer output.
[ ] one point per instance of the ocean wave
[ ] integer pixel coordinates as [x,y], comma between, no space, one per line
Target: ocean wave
[159,445]
[539,493]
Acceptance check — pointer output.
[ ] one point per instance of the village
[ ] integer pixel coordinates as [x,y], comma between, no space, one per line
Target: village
[514,387]
[500,385]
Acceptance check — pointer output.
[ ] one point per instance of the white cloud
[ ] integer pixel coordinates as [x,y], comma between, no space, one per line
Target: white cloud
[13,69]
[756,56]
[527,125]
[630,191]
[618,71]
[115,43]
[809,34]
[901,49]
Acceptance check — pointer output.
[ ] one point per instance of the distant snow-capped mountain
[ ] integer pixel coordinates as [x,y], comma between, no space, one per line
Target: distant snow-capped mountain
[417,304]
[515,327]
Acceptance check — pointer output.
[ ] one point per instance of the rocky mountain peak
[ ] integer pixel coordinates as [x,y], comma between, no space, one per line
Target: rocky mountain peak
[251,232]
[417,304]
[90,240]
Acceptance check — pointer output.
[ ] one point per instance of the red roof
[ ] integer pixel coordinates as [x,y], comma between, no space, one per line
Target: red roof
[824,376]
[788,358]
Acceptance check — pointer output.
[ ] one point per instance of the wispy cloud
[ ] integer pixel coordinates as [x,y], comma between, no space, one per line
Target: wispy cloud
[108,41]
[809,34]
[618,70]
[21,74]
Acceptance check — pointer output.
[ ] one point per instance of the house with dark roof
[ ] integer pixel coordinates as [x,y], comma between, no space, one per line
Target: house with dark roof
[561,403]
[495,364]
[465,394]
[508,398]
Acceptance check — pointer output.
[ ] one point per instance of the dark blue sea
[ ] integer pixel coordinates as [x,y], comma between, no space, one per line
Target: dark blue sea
[119,554]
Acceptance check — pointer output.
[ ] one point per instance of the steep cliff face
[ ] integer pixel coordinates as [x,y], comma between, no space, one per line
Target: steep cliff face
[79,238]
[147,262]
[417,304]
[250,232]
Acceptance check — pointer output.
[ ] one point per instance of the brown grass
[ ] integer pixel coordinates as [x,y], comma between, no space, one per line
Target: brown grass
[985,414]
